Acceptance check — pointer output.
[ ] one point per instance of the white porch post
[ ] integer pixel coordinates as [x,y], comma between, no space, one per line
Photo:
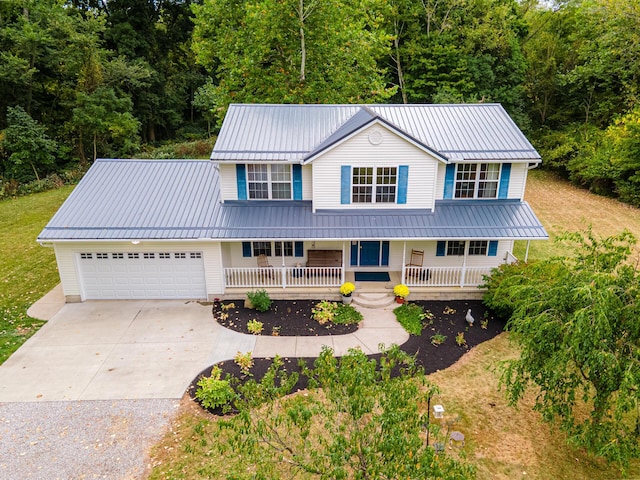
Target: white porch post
[526,253]
[464,263]
[283,269]
[343,275]
[404,261]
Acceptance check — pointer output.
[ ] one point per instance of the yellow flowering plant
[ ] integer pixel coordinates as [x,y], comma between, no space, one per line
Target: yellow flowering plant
[347,289]
[401,290]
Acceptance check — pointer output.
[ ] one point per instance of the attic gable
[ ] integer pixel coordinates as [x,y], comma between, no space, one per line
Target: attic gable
[362,120]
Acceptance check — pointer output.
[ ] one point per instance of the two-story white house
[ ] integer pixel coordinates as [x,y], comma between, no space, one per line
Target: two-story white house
[299,198]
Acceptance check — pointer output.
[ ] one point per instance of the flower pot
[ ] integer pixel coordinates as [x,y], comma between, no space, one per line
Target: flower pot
[347,300]
[400,300]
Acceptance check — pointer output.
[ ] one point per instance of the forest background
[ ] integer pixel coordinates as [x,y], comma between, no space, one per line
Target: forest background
[83,79]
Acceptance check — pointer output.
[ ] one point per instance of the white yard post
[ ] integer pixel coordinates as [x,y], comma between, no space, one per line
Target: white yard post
[526,253]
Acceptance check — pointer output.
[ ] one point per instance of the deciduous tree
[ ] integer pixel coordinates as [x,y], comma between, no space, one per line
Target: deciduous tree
[576,322]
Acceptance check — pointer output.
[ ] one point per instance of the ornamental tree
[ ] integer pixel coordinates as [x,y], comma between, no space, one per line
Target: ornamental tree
[360,418]
[576,321]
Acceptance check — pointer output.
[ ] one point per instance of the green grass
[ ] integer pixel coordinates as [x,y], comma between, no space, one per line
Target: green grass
[27,270]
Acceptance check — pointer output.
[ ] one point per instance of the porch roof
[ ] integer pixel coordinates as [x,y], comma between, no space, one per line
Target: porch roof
[124,200]
[486,219]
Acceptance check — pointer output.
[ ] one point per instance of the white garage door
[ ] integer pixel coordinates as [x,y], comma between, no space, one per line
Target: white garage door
[142,275]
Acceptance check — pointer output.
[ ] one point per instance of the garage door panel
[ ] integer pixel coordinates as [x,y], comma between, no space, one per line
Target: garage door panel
[142,275]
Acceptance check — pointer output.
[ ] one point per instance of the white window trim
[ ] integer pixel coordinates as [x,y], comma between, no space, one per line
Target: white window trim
[476,181]
[270,182]
[374,185]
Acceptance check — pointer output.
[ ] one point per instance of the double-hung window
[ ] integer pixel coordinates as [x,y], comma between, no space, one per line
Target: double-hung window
[374,185]
[477,180]
[269,182]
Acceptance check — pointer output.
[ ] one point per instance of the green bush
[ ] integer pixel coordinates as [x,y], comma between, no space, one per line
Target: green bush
[411,317]
[260,300]
[346,315]
[215,392]
[338,313]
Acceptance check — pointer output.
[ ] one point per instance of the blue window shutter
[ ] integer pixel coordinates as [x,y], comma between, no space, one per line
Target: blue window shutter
[298,249]
[441,248]
[345,184]
[385,253]
[449,180]
[246,249]
[297,182]
[403,180]
[493,248]
[504,180]
[354,253]
[241,178]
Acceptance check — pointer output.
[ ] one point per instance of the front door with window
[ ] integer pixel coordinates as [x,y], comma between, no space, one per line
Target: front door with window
[369,253]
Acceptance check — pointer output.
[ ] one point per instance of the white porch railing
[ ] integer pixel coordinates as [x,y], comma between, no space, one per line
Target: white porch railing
[257,277]
[445,276]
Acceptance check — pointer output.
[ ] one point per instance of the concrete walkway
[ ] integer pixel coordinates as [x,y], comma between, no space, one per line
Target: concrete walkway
[137,349]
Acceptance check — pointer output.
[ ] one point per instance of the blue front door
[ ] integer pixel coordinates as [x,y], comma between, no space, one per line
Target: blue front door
[369,254]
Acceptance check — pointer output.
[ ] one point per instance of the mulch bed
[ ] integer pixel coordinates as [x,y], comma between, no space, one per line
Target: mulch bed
[290,318]
[449,320]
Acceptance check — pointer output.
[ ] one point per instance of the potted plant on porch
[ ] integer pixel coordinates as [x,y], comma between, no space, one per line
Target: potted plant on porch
[401,291]
[346,289]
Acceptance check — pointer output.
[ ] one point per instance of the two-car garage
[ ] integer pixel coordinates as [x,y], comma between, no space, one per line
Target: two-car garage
[141,275]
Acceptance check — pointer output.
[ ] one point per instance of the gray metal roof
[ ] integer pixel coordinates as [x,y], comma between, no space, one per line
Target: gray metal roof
[460,132]
[180,199]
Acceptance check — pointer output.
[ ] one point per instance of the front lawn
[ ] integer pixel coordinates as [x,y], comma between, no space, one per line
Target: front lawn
[28,270]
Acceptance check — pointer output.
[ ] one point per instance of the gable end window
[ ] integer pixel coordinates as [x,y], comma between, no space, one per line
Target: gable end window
[374,185]
[477,180]
[269,182]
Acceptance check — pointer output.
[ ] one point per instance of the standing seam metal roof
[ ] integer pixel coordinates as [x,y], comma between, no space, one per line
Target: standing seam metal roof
[460,132]
[180,200]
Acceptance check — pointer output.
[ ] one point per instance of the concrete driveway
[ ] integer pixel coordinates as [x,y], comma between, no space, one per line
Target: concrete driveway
[103,350]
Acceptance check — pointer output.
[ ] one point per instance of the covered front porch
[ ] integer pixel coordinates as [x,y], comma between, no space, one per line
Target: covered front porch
[314,291]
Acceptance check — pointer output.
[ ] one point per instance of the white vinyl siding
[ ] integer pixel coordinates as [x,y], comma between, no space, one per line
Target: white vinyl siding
[518,180]
[358,151]
[228,182]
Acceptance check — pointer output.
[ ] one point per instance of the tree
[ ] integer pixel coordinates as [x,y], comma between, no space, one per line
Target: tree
[31,154]
[291,51]
[458,51]
[575,320]
[357,420]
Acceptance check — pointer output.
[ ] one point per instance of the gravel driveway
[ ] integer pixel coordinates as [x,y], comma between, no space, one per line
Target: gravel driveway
[80,439]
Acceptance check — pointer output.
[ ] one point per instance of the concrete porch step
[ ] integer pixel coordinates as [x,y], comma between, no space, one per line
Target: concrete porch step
[373,299]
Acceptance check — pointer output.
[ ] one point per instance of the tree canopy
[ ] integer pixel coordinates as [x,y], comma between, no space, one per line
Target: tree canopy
[575,320]
[166,70]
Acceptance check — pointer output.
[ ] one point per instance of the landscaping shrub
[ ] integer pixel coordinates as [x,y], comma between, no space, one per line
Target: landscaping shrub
[338,313]
[214,392]
[255,327]
[260,300]
[412,317]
